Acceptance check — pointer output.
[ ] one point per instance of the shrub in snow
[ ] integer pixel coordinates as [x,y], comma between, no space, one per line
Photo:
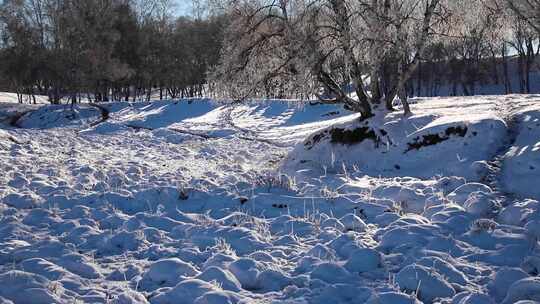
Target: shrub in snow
[246,272]
[222,277]
[167,272]
[392,298]
[428,284]
[481,204]
[524,289]
[483,225]
[186,292]
[364,260]
[352,222]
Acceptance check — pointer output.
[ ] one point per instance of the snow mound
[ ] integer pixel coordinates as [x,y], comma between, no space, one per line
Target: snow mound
[23,287]
[246,272]
[503,279]
[364,260]
[130,297]
[224,278]
[351,222]
[186,292]
[428,284]
[392,298]
[167,272]
[393,145]
[524,289]
[22,201]
[54,116]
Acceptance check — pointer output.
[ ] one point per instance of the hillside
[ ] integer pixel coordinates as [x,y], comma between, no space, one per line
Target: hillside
[272,202]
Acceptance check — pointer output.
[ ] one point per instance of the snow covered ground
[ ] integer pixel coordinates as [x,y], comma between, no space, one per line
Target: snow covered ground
[197,202]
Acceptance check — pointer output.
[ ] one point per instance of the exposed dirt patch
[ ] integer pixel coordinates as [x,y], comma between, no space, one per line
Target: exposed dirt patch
[352,137]
[329,114]
[347,137]
[105,114]
[433,139]
[312,141]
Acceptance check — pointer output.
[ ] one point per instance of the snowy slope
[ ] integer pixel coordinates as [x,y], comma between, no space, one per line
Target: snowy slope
[521,166]
[445,136]
[199,202]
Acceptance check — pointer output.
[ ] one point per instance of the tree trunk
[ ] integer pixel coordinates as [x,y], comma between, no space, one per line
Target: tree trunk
[507,83]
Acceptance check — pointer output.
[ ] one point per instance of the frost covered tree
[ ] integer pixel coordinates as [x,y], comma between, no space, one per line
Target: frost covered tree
[473,38]
[521,29]
[528,10]
[291,48]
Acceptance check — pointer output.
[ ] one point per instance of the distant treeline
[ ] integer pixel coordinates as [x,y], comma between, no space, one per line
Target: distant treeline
[103,50]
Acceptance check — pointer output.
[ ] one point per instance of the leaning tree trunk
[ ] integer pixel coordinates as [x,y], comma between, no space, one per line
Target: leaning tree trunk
[405,71]
[363,105]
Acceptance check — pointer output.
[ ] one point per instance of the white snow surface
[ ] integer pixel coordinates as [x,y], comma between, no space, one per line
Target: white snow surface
[198,202]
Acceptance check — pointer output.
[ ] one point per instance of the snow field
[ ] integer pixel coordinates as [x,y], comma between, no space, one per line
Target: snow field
[196,202]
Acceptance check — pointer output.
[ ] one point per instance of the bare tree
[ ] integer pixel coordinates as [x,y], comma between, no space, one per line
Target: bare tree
[304,45]
[528,10]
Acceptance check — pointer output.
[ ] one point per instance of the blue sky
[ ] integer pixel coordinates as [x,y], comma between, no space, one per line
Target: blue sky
[183,7]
